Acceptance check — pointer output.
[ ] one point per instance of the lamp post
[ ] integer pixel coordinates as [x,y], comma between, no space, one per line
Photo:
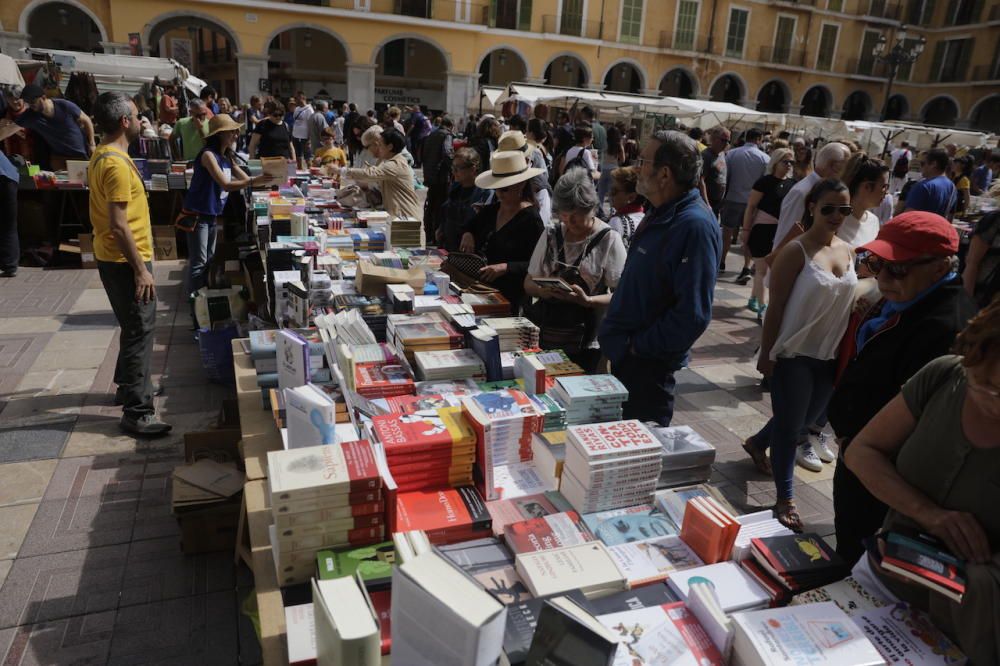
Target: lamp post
[896,56]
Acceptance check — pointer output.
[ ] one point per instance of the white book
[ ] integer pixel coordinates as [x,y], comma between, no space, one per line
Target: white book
[587,567]
[612,441]
[293,359]
[347,630]
[317,471]
[653,560]
[442,617]
[736,589]
[905,635]
[300,628]
[668,634]
[815,634]
[311,416]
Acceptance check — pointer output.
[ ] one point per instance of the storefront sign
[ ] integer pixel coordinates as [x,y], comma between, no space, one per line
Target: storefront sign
[409,96]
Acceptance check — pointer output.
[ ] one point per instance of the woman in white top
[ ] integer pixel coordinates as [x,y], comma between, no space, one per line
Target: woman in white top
[589,257]
[580,155]
[812,293]
[626,203]
[868,182]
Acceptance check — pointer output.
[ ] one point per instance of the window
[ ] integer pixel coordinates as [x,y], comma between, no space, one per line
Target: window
[510,14]
[737,35]
[687,24]
[951,60]
[394,58]
[835,5]
[905,70]
[967,11]
[920,12]
[524,15]
[417,8]
[631,21]
[827,46]
[571,21]
[995,69]
[866,63]
[784,35]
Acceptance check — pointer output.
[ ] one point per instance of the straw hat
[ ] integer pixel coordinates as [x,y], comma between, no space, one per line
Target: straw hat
[512,140]
[507,167]
[222,123]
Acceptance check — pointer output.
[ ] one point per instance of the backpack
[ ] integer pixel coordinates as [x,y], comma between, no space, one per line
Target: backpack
[902,166]
[578,162]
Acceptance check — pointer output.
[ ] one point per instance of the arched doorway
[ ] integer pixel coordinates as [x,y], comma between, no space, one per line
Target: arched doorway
[502,66]
[898,108]
[310,60]
[857,106]
[624,77]
[60,25]
[772,97]
[986,114]
[567,70]
[727,88]
[817,102]
[940,111]
[678,83]
[409,71]
[205,47]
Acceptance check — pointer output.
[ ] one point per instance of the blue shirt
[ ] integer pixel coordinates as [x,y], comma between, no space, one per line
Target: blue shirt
[206,196]
[744,167]
[934,195]
[982,176]
[61,132]
[8,170]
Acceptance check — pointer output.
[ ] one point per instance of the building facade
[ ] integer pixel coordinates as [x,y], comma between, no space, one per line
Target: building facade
[808,56]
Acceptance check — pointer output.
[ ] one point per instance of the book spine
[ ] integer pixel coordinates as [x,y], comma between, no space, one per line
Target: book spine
[284,521]
[335,506]
[333,526]
[310,544]
[923,572]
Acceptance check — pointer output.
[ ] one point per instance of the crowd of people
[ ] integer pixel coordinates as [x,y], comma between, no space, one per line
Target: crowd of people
[614,247]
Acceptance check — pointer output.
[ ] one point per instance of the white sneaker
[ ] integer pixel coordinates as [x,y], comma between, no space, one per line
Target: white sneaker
[807,458]
[821,444]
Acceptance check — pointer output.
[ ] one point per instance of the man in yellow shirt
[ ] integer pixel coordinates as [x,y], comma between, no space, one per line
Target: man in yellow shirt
[123,247]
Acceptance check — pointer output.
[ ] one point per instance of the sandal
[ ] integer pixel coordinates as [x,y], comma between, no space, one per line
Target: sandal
[788,515]
[759,458]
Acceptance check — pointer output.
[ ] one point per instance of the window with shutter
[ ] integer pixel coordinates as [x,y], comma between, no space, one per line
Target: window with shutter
[827,46]
[783,37]
[524,15]
[687,20]
[939,50]
[737,34]
[631,21]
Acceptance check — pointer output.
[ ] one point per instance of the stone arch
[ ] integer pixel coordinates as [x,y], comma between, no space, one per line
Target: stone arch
[774,96]
[897,108]
[680,82]
[307,57]
[581,64]
[636,81]
[986,115]
[728,87]
[29,9]
[857,106]
[817,102]
[445,53]
[489,66]
[314,27]
[169,20]
[940,110]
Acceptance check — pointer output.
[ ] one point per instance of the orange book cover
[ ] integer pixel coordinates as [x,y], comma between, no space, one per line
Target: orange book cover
[703,532]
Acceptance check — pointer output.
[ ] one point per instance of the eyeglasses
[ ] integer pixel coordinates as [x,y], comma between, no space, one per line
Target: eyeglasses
[896,270]
[830,209]
[788,162]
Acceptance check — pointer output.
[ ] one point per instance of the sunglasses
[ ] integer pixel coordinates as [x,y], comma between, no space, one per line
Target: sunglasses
[830,209]
[788,162]
[896,270]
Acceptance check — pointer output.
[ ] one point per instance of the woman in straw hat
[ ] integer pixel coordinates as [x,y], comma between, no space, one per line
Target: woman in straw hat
[216,174]
[506,231]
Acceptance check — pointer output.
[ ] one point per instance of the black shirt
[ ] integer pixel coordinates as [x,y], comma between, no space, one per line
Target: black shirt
[774,190]
[512,244]
[275,139]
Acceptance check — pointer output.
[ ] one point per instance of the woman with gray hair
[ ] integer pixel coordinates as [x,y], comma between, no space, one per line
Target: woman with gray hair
[573,270]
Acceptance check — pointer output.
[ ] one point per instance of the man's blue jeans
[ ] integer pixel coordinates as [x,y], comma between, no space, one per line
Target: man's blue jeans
[201,248]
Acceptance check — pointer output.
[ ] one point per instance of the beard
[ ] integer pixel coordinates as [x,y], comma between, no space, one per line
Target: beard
[133,132]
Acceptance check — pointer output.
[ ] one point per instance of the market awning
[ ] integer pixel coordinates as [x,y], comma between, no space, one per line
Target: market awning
[120,69]
[566,97]
[10,75]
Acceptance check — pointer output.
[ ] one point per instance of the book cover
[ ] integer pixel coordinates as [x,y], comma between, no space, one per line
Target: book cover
[373,563]
[497,406]
[615,440]
[587,567]
[797,554]
[522,619]
[633,523]
[519,479]
[422,334]
[263,344]
[311,416]
[564,635]
[414,432]
[904,635]
[478,555]
[736,590]
[346,467]
[411,404]
[449,360]
[667,634]
[293,359]
[300,629]
[369,376]
[459,509]
[504,583]
[849,594]
[593,387]
[647,596]
[506,511]
[652,561]
[548,532]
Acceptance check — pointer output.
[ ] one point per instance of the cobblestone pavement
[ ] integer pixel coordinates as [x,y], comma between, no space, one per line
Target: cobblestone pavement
[90,567]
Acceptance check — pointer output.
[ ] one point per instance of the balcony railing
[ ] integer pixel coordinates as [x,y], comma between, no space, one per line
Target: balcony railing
[571,25]
[780,55]
[805,4]
[986,72]
[670,39]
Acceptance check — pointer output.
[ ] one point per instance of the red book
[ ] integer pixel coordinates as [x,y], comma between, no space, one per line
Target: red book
[382,602]
[548,532]
[443,511]
[408,433]
[381,377]
[411,404]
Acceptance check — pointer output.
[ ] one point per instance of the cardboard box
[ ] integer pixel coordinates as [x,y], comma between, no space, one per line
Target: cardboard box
[220,445]
[164,243]
[371,279]
[87,259]
[211,527]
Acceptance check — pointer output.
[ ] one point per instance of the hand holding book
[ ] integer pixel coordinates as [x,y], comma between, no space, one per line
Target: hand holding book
[960,531]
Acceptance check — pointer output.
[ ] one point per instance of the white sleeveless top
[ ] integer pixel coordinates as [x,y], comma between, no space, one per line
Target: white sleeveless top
[817,312]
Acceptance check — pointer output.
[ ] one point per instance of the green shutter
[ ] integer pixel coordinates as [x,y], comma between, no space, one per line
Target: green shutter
[524,15]
[961,73]
[935,74]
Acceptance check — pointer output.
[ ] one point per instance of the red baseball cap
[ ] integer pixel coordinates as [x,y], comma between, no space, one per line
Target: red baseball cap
[914,234]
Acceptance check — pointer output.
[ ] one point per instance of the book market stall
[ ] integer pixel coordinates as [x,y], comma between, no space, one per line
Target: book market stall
[423,484]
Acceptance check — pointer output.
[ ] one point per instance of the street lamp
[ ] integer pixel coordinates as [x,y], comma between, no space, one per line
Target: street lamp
[896,56]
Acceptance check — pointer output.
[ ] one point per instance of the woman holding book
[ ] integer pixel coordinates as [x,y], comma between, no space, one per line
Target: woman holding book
[588,257]
[392,174]
[933,456]
[812,293]
[505,232]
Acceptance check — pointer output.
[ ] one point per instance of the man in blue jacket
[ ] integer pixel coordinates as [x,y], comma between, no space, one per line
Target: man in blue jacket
[663,302]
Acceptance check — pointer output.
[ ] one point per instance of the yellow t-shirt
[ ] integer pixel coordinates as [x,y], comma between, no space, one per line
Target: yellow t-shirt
[114,180]
[332,154]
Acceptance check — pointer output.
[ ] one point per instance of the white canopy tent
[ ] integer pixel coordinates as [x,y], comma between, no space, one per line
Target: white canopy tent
[620,103]
[10,74]
[120,72]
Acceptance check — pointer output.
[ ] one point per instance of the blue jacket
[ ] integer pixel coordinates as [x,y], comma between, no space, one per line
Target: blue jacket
[663,301]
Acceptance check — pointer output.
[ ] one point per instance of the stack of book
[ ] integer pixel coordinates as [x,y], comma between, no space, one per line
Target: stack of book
[587,567]
[404,233]
[797,562]
[926,561]
[756,525]
[486,304]
[425,332]
[737,590]
[673,501]
[515,332]
[553,414]
[368,241]
[264,353]
[429,449]
[371,309]
[446,516]
[449,364]
[610,465]
[546,532]
[382,380]
[590,398]
[687,457]
[557,363]
[548,452]
[653,560]
[710,529]
[322,497]
[503,422]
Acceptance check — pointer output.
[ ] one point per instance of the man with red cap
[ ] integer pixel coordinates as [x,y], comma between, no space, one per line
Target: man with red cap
[922,308]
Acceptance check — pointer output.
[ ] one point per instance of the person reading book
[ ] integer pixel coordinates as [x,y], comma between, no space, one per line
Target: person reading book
[933,456]
[589,256]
